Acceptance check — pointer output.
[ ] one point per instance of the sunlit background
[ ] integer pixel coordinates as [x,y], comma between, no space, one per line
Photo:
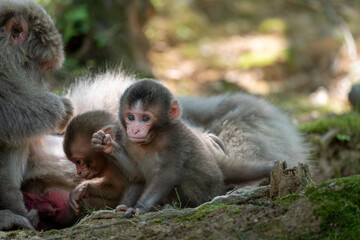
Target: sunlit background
[302,55]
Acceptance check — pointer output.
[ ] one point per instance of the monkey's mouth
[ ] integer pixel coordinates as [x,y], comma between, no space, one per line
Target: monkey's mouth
[90,175]
[144,140]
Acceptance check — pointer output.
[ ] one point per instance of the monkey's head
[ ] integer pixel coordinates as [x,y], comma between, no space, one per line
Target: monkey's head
[146,108]
[89,161]
[28,36]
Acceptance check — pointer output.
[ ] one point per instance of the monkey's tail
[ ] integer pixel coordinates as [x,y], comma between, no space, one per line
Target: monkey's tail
[243,173]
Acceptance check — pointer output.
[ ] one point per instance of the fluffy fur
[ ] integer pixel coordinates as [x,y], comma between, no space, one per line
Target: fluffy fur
[29,45]
[99,92]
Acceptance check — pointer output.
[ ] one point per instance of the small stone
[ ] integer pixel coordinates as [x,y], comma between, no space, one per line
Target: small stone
[354,96]
[333,184]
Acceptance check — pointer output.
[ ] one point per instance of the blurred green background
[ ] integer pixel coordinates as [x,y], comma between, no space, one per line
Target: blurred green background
[301,54]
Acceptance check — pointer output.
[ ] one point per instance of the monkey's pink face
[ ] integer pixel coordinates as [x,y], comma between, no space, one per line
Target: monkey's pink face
[138,123]
[82,168]
[89,163]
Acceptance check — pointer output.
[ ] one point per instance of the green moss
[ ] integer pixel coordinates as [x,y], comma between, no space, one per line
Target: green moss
[203,211]
[339,207]
[13,234]
[346,123]
[159,220]
[286,200]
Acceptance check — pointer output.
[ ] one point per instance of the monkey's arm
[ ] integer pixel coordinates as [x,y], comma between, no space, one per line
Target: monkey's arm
[97,188]
[165,179]
[104,142]
[30,112]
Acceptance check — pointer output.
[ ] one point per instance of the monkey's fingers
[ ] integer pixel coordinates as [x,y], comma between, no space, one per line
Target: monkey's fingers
[95,140]
[107,139]
[99,146]
[101,133]
[73,204]
[130,212]
[84,194]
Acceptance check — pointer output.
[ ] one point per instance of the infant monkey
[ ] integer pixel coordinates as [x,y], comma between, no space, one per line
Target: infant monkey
[170,158]
[104,184]
[161,151]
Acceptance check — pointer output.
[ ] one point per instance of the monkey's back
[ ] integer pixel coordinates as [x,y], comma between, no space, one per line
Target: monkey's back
[201,178]
[254,130]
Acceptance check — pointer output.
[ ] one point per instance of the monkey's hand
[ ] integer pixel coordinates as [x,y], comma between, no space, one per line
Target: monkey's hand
[10,220]
[103,142]
[80,192]
[69,111]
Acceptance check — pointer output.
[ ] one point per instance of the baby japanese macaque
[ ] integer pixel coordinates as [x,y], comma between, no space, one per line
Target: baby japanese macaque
[163,155]
[104,183]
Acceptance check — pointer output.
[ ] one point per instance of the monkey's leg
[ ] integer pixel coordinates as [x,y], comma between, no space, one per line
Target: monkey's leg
[132,194]
[12,166]
[159,188]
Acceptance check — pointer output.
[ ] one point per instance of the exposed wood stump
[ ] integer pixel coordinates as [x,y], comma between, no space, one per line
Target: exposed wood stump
[285,180]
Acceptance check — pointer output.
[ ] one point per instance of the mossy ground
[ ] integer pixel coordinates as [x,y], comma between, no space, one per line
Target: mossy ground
[339,207]
[347,124]
[335,143]
[329,210]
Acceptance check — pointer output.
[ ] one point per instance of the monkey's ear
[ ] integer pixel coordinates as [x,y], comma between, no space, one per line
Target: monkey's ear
[18,29]
[109,130]
[175,112]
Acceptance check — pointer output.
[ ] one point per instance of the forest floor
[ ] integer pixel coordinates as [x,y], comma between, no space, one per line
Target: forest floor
[328,210]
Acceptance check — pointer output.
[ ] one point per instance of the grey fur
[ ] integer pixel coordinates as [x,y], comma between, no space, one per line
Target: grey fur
[255,131]
[27,110]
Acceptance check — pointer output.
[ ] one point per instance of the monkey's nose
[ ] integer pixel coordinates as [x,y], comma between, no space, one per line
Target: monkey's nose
[135,131]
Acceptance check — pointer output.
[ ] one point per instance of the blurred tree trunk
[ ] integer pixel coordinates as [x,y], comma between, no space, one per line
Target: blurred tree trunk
[115,33]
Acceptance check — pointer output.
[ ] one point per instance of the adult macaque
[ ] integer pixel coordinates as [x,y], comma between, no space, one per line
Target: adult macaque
[255,131]
[157,147]
[30,45]
[104,183]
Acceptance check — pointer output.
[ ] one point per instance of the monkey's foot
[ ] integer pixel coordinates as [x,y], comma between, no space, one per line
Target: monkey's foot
[128,211]
[10,220]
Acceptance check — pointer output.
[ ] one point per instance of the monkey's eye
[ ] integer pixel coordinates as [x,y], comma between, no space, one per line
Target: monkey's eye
[78,161]
[131,117]
[145,118]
